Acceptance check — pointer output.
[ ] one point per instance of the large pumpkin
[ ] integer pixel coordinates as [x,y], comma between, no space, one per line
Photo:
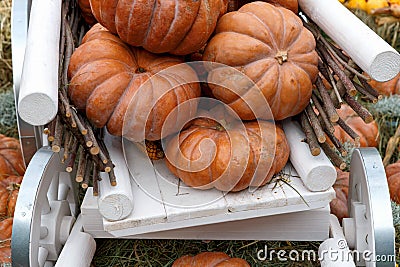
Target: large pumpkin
[8,200]
[292,5]
[177,26]
[209,259]
[271,46]
[391,87]
[369,134]
[393,179]
[11,161]
[238,155]
[339,205]
[105,76]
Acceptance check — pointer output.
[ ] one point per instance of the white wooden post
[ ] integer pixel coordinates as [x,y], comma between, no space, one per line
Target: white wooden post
[38,99]
[115,202]
[371,53]
[316,172]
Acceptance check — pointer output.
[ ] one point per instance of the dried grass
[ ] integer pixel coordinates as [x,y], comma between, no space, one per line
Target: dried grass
[5,46]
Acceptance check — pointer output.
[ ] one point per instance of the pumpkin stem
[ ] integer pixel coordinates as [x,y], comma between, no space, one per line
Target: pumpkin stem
[281,56]
[140,70]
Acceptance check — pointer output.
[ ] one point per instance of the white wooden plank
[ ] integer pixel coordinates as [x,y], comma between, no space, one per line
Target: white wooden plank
[148,206]
[183,202]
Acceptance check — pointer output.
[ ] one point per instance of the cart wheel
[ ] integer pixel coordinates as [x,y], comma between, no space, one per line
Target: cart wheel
[45,211]
[369,230]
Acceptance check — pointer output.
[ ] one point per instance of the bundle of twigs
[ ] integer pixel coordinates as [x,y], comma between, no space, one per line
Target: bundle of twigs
[70,132]
[348,83]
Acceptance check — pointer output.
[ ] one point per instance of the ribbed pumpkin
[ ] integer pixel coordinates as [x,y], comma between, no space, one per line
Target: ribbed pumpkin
[8,199]
[369,134]
[393,179]
[105,76]
[6,229]
[292,5]
[11,161]
[391,87]
[210,259]
[87,14]
[339,205]
[238,155]
[271,46]
[179,27]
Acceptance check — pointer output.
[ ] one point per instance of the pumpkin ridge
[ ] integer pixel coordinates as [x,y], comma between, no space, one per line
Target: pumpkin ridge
[130,21]
[270,35]
[150,23]
[10,165]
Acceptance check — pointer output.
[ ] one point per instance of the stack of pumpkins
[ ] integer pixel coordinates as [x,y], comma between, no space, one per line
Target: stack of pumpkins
[130,74]
[12,169]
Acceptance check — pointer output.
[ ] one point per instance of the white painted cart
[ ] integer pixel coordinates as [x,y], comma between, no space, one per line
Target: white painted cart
[50,229]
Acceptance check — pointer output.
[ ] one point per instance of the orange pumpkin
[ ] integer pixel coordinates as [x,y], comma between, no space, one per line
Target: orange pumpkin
[87,14]
[339,205]
[179,27]
[6,229]
[271,46]
[369,134]
[5,254]
[105,76]
[391,87]
[11,161]
[8,199]
[292,5]
[238,155]
[209,259]
[393,179]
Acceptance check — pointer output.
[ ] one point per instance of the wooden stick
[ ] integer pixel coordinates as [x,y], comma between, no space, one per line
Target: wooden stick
[310,135]
[370,89]
[56,144]
[87,174]
[67,144]
[336,69]
[337,144]
[94,149]
[358,108]
[316,126]
[51,130]
[335,159]
[80,172]
[96,175]
[365,93]
[349,131]
[113,179]
[326,99]
[326,122]
[79,123]
[72,157]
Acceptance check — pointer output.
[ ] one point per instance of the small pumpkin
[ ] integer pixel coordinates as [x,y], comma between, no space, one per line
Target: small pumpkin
[270,45]
[209,259]
[369,134]
[391,87]
[179,27]
[339,205]
[238,155]
[5,253]
[393,179]
[105,77]
[87,14]
[11,161]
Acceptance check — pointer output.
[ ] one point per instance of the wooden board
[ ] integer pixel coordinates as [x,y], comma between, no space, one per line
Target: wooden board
[162,203]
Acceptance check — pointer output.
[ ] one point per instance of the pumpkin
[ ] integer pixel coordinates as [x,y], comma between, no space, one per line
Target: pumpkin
[209,259]
[11,161]
[238,155]
[339,205]
[105,76]
[292,5]
[8,199]
[6,228]
[390,87]
[86,12]
[271,46]
[393,179]
[5,253]
[179,27]
[368,133]
[11,180]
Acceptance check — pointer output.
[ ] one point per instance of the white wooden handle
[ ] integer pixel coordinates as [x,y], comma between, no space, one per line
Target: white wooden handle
[115,202]
[316,172]
[38,99]
[371,53]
